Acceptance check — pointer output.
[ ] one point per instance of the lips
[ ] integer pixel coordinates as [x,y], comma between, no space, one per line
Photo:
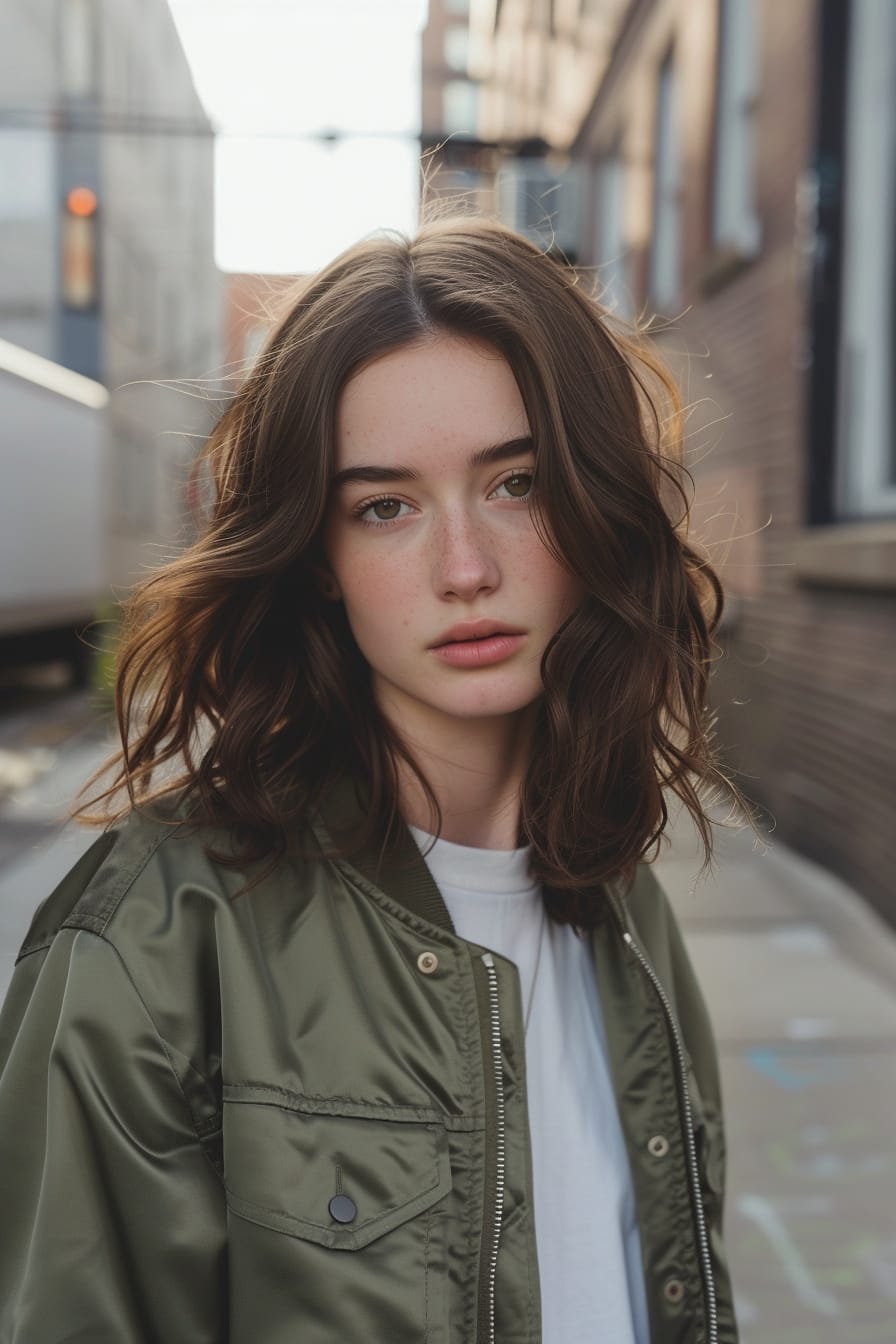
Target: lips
[466,631]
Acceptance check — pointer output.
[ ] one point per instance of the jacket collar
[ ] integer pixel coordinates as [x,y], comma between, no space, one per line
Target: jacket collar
[401,872]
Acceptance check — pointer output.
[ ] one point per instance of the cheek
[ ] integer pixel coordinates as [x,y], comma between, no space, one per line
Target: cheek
[555,584]
[379,591]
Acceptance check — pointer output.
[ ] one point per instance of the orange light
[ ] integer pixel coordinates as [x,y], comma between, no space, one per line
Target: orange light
[81,201]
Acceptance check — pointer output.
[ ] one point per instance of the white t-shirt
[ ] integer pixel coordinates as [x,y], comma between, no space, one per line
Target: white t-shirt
[589,1256]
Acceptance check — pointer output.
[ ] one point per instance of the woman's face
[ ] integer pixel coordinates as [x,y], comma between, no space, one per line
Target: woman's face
[422,536]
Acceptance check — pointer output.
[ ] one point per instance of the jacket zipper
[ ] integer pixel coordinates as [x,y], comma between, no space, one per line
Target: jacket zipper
[690,1142]
[495,1126]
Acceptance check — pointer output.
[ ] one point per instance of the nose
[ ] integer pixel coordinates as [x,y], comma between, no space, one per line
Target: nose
[465,559]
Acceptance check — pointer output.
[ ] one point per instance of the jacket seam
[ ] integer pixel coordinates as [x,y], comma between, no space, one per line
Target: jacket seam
[415,1114]
[116,895]
[467,1013]
[87,920]
[681,1206]
[464,1014]
[214,1122]
[473,1224]
[90,921]
[409,919]
[530,1223]
[669,1115]
[426,1278]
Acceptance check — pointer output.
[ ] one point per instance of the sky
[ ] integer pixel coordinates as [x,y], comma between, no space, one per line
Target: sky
[272,73]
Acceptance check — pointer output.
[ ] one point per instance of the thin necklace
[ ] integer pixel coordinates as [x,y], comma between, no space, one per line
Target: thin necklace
[535,972]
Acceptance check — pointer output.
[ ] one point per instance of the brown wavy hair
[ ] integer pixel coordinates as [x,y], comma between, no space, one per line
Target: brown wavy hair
[240,682]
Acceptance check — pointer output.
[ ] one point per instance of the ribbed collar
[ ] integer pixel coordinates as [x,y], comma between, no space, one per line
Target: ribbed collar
[400,872]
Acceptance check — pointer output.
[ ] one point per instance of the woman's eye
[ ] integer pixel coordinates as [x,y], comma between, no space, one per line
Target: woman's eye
[384,510]
[513,482]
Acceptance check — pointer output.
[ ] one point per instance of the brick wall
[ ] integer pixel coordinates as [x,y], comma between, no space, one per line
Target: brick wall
[805,690]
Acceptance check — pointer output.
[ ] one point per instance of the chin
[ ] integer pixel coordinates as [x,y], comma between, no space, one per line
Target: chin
[487,704]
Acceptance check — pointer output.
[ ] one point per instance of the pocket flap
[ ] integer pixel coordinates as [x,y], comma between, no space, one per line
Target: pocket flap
[283,1168]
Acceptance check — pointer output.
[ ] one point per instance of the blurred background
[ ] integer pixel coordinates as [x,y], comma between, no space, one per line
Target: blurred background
[726,170]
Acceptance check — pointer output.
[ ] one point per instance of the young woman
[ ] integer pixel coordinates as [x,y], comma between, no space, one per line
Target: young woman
[367,1018]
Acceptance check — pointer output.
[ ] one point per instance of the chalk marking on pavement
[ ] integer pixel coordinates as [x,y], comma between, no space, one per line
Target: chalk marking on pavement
[879,1259]
[768,1218]
[771,1064]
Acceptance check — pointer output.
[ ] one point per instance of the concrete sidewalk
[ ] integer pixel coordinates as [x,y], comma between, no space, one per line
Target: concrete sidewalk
[37,850]
[800,977]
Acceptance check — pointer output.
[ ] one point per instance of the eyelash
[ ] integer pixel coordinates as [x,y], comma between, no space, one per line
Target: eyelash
[363,507]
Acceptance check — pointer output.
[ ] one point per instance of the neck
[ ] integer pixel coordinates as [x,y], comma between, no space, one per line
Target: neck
[476,769]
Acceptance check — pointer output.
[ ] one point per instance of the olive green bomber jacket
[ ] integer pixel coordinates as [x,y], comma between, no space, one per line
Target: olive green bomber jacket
[301,1114]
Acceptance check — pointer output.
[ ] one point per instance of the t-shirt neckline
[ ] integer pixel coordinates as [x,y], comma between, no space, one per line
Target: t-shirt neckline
[469,868]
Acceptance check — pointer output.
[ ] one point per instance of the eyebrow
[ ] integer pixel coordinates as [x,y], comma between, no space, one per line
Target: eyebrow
[498,452]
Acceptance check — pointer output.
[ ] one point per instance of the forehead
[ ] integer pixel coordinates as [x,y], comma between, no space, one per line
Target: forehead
[436,396]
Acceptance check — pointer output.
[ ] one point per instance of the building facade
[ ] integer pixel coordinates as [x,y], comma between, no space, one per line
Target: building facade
[106,242]
[253,303]
[456,163]
[737,171]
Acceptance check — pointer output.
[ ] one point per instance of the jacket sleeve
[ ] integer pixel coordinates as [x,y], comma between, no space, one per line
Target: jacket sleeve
[113,1223]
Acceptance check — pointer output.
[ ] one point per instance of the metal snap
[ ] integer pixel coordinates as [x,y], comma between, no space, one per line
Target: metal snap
[658,1146]
[427,962]
[673,1290]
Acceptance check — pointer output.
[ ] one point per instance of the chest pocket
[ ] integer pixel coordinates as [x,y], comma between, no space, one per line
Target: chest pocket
[338,1180]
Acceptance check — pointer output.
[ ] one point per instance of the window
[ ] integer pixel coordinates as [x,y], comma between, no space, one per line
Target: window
[734,221]
[665,262]
[460,106]
[77,48]
[612,255]
[28,174]
[865,476]
[457,48]
[541,203]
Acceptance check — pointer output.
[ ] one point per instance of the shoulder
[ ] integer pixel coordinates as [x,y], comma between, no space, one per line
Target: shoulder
[153,869]
[147,897]
[655,928]
[650,912]
[654,925]
[91,893]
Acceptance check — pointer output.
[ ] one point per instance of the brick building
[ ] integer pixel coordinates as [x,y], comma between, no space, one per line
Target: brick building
[252,302]
[737,170]
[454,160]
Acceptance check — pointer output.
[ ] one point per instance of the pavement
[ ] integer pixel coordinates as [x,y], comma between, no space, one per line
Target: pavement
[47,751]
[800,977]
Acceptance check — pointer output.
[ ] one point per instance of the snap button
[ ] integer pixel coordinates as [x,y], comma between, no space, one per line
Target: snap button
[658,1146]
[427,962]
[673,1290]
[342,1208]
